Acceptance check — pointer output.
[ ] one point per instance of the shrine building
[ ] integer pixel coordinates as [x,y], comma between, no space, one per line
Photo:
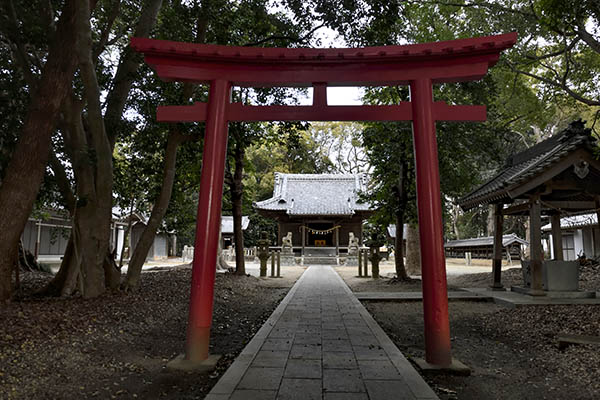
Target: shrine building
[320,211]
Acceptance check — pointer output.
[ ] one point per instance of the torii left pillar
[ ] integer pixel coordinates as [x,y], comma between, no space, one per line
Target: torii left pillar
[207,228]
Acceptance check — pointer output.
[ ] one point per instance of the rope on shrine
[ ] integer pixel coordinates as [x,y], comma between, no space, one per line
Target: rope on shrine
[324,231]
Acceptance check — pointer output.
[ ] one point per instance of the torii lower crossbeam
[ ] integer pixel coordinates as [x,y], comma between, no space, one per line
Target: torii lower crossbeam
[419,66]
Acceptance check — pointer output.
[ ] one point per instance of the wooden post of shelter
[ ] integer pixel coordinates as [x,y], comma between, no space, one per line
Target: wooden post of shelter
[303,238]
[535,244]
[497,253]
[557,237]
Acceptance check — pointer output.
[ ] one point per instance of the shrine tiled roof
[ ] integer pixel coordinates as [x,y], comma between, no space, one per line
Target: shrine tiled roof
[316,194]
[523,166]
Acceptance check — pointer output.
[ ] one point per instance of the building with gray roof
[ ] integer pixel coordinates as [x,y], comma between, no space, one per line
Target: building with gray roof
[320,210]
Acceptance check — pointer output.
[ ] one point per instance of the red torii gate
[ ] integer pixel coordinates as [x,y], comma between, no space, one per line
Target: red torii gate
[418,66]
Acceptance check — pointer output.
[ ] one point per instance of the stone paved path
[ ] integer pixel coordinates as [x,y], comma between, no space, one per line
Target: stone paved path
[321,343]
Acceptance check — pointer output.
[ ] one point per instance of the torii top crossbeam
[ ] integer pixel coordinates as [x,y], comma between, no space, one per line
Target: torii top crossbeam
[449,61]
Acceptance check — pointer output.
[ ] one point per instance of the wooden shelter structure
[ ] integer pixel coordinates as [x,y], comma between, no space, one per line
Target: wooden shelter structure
[319,210]
[419,66]
[557,177]
[483,247]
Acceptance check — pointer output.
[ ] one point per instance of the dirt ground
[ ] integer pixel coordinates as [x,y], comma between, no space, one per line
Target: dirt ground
[117,346]
[513,353]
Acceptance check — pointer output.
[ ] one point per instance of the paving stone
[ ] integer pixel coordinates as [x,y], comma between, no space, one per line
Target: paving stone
[282,333]
[369,353]
[342,380]
[261,378]
[345,396]
[300,389]
[307,338]
[333,326]
[385,390]
[270,358]
[314,329]
[364,340]
[283,344]
[334,334]
[339,360]
[378,369]
[244,394]
[336,345]
[300,368]
[306,351]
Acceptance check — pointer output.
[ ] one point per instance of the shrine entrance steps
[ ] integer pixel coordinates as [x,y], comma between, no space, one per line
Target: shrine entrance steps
[320,256]
[321,343]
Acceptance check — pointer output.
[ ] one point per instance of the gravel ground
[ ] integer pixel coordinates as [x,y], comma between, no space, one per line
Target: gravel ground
[117,346]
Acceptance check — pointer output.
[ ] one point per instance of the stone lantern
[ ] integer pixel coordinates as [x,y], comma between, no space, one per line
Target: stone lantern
[263,252]
[374,244]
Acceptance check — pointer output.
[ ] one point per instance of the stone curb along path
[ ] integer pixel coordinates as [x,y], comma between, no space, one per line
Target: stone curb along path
[320,343]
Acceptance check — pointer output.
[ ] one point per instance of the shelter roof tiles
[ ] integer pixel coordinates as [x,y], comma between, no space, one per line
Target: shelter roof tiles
[507,240]
[522,166]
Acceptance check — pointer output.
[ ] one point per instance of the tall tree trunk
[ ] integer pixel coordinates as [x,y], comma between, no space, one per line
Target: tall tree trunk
[94,213]
[27,165]
[490,220]
[127,232]
[399,245]
[136,262]
[237,193]
[413,250]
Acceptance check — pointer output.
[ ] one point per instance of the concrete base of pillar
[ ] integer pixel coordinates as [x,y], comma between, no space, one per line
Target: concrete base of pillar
[455,368]
[498,288]
[555,294]
[179,363]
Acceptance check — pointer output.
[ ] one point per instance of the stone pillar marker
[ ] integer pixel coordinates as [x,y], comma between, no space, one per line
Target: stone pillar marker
[360,274]
[263,253]
[278,264]
[273,264]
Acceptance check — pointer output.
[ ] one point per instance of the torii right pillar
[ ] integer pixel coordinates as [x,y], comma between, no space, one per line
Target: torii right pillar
[433,263]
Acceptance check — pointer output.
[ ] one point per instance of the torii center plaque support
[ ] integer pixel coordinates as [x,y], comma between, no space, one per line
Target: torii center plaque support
[419,66]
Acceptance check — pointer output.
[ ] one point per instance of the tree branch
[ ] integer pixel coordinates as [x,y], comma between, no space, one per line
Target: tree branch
[291,39]
[101,44]
[588,38]
[18,48]
[561,85]
[565,49]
